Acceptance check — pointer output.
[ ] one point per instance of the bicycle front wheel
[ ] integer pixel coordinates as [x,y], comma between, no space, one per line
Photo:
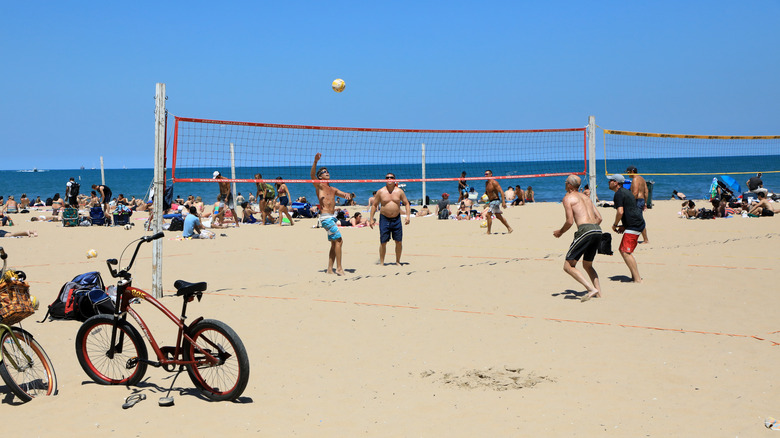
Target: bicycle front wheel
[226,379]
[126,366]
[26,368]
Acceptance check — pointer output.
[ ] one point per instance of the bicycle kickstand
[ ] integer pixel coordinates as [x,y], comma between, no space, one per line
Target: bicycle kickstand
[168,400]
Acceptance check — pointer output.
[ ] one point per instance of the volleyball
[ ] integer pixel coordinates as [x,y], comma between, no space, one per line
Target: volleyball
[91,254]
[128,226]
[338,85]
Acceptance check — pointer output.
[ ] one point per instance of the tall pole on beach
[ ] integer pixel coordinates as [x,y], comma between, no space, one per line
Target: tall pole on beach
[159,187]
[592,158]
[102,173]
[233,170]
[423,175]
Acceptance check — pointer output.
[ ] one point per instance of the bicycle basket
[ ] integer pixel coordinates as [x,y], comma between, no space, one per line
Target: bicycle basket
[15,303]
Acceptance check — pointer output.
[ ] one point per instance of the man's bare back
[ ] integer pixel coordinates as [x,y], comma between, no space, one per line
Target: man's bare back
[582,208]
[638,187]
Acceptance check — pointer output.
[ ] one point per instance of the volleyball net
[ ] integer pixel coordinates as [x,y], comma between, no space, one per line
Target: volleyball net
[673,154]
[241,150]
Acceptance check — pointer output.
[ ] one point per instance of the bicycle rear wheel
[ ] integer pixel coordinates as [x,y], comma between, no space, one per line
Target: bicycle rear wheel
[93,342]
[227,379]
[27,378]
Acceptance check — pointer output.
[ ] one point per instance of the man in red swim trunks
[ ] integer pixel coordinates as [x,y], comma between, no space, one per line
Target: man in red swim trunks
[632,223]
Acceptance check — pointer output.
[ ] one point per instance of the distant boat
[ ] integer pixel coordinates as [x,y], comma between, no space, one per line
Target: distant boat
[82,167]
[34,169]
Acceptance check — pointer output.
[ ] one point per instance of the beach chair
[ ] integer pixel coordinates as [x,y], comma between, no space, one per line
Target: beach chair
[98,217]
[70,217]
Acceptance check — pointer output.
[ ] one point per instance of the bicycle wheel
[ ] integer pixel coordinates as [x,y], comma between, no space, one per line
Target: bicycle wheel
[93,342]
[26,378]
[227,379]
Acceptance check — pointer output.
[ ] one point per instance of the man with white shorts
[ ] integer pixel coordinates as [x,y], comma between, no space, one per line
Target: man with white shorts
[496,201]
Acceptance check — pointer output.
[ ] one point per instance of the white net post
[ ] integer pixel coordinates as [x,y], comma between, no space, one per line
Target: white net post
[232,170]
[159,192]
[423,175]
[592,158]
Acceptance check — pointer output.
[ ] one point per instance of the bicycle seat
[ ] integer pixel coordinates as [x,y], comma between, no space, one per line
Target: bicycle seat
[187,289]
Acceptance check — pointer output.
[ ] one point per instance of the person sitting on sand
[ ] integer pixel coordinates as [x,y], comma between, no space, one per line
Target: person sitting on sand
[529,194]
[443,206]
[11,206]
[762,207]
[247,212]
[38,202]
[24,201]
[509,194]
[463,211]
[688,210]
[28,233]
[193,229]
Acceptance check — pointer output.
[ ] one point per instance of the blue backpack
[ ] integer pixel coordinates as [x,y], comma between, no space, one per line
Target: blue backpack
[81,298]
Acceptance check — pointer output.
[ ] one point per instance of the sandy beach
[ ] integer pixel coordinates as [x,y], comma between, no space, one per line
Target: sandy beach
[474,335]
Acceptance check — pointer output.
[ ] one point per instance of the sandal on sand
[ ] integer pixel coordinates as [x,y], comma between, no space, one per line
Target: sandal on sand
[131,400]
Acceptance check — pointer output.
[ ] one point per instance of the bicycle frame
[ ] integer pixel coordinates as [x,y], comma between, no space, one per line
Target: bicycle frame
[5,328]
[126,293]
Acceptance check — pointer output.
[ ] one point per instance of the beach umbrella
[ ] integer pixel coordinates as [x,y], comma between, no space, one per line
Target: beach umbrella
[732,183]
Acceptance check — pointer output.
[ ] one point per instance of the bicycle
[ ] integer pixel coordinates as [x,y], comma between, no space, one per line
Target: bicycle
[24,365]
[112,352]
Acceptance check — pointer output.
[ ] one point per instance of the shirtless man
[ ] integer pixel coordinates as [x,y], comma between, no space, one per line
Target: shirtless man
[105,197]
[581,211]
[762,207]
[640,192]
[389,198]
[327,199]
[227,197]
[496,201]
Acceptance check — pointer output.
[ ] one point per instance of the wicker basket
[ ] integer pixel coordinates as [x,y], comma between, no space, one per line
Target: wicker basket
[15,303]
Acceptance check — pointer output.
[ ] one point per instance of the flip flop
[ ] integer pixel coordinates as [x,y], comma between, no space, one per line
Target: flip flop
[131,400]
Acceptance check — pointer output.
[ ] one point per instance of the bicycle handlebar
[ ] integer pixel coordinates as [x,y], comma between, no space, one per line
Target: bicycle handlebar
[150,238]
[125,273]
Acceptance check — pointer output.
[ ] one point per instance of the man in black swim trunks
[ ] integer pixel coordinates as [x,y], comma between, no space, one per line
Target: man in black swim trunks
[389,198]
[105,197]
[581,211]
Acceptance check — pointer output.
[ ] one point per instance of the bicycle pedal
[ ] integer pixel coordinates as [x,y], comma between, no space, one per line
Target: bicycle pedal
[131,363]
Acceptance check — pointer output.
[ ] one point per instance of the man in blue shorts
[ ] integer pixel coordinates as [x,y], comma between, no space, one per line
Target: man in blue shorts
[389,198]
[581,211]
[327,198]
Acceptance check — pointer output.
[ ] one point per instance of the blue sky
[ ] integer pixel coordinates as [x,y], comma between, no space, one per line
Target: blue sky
[79,77]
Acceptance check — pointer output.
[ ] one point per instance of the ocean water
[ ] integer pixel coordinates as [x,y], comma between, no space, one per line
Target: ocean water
[136,182]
